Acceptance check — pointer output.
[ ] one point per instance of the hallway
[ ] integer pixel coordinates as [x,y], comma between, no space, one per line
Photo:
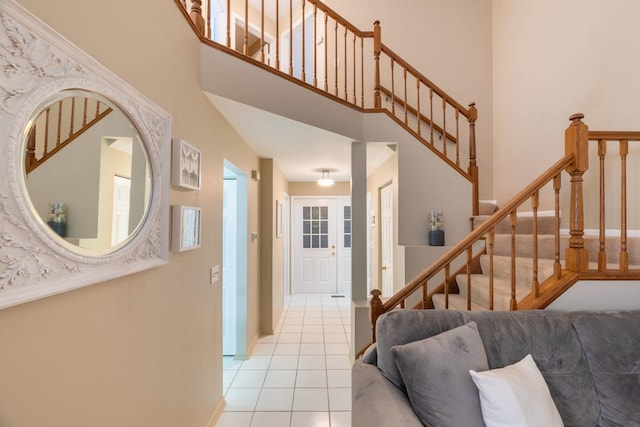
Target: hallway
[298,377]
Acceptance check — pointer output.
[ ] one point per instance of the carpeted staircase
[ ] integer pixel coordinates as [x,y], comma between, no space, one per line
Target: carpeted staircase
[524,262]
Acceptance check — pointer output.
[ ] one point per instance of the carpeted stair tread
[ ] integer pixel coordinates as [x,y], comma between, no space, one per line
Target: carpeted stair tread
[456,302]
[524,224]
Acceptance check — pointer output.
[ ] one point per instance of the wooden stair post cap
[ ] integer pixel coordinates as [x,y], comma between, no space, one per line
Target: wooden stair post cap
[576,116]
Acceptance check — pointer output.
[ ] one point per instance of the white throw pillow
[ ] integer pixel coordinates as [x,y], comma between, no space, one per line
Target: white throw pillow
[516,396]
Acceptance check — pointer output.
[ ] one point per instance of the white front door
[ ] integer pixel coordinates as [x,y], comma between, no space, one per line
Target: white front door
[314,245]
[386,240]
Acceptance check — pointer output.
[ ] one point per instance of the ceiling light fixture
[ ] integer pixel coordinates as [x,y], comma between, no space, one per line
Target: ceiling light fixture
[325,181]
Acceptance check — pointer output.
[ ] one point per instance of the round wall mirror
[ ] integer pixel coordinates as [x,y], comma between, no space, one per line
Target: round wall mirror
[86,172]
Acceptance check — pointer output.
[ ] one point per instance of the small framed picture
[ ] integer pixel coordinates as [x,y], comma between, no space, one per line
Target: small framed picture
[185,228]
[185,165]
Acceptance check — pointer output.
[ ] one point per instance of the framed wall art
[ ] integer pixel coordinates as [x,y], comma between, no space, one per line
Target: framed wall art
[186,163]
[185,228]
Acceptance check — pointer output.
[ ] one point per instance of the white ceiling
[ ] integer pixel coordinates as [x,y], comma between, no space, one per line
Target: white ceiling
[300,151]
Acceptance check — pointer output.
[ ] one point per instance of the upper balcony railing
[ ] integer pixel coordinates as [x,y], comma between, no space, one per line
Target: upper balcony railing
[311,44]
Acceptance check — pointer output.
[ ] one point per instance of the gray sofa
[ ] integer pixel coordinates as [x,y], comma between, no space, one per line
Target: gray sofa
[589,360]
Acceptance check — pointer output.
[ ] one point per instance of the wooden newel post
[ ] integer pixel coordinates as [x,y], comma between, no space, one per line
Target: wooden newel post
[196,15]
[30,155]
[377,48]
[473,166]
[376,309]
[577,143]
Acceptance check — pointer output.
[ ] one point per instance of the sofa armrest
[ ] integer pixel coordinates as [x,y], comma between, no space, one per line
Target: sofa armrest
[376,401]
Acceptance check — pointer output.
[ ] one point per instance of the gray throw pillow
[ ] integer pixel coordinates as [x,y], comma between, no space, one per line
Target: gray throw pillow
[436,374]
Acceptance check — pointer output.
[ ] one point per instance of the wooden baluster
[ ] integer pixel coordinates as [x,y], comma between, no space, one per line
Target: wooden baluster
[84,111]
[444,127]
[602,254]
[431,113]
[315,45]
[196,16]
[513,221]
[492,241]
[425,294]
[377,47]
[469,258]
[362,72]
[376,308]
[402,303]
[557,268]
[304,68]
[393,89]
[346,79]
[207,16]
[326,53]
[291,37]
[30,155]
[473,167]
[355,83]
[262,32]
[229,23]
[46,132]
[277,32]
[59,122]
[418,114]
[624,255]
[447,279]
[73,116]
[335,58]
[457,137]
[576,143]
[406,116]
[535,204]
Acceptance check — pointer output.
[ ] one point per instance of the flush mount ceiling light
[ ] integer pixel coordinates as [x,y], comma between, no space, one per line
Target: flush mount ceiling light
[325,181]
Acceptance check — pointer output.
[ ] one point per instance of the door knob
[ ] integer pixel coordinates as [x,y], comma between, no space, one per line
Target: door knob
[384,267]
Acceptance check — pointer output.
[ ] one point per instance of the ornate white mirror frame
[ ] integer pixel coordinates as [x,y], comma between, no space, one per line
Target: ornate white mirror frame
[35,63]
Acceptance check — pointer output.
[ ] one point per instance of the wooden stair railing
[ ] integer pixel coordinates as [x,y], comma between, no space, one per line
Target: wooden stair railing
[575,163]
[342,68]
[60,124]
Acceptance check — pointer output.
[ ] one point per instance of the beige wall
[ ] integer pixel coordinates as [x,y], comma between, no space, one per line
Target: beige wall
[553,59]
[143,350]
[273,187]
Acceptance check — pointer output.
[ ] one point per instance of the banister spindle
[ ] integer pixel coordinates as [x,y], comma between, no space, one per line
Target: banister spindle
[473,166]
[457,137]
[30,155]
[624,255]
[262,32]
[377,47]
[84,110]
[355,101]
[229,23]
[576,143]
[535,204]
[418,113]
[291,37]
[447,279]
[393,89]
[425,294]
[245,40]
[557,268]
[492,241]
[304,71]
[431,114]
[602,254]
[406,106]
[469,258]
[513,222]
[73,116]
[335,58]
[277,32]
[59,122]
[444,127]
[326,53]
[346,79]
[376,308]
[315,45]
[46,131]
[362,72]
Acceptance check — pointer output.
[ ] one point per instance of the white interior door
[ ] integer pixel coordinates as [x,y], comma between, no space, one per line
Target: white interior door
[314,245]
[121,208]
[386,240]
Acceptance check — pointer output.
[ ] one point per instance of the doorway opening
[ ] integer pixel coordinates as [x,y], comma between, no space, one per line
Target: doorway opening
[234,262]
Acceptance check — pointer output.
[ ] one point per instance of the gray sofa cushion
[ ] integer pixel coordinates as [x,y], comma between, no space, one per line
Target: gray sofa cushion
[436,374]
[611,342]
[554,345]
[399,327]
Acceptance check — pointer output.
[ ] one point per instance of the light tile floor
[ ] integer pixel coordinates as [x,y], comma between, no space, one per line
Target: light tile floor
[298,377]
